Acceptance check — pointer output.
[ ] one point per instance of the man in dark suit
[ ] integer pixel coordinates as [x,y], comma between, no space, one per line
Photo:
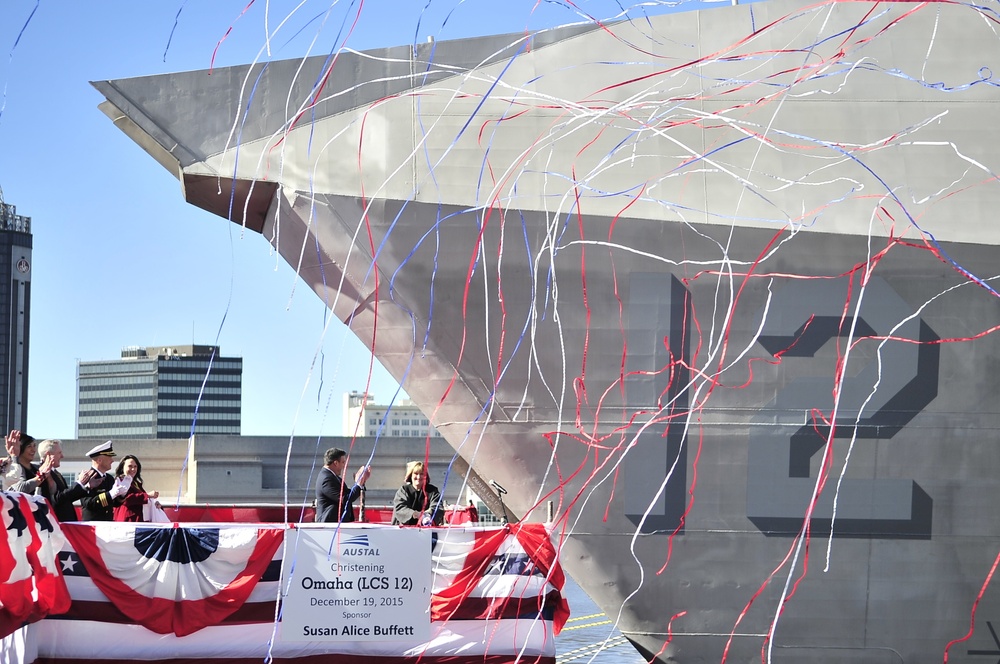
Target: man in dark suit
[98,503]
[54,487]
[334,501]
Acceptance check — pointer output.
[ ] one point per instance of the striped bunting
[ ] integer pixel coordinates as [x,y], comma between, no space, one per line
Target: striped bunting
[495,598]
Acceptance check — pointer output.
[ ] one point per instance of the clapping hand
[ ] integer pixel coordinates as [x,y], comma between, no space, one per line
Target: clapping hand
[121,486]
[45,468]
[89,478]
[360,477]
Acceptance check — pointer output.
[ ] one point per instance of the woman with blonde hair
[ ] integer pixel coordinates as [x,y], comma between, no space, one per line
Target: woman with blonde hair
[418,502]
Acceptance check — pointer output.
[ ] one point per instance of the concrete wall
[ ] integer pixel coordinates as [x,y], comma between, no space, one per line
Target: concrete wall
[228,470]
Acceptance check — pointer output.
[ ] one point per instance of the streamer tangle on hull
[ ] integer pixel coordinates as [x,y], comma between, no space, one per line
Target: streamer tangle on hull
[721,284]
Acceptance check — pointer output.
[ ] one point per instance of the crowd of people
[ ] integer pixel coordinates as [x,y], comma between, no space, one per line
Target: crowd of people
[103,495]
[121,496]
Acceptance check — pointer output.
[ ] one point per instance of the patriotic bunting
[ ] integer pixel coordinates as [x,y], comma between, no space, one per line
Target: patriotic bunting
[209,593]
[174,580]
[31,585]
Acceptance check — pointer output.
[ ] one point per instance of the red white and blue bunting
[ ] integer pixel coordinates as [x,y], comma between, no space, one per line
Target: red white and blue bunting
[210,592]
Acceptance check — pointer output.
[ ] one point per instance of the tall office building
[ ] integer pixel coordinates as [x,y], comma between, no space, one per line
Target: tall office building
[152,392]
[15,313]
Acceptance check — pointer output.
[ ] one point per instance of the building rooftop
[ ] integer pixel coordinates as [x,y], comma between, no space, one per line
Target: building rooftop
[10,220]
[189,350]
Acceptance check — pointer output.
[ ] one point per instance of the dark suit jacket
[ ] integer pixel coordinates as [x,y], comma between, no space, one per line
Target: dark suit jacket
[97,503]
[63,497]
[329,489]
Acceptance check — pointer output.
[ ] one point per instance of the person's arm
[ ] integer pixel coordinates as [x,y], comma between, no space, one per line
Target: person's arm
[10,472]
[330,492]
[434,506]
[27,480]
[58,496]
[351,498]
[95,500]
[99,498]
[24,486]
[351,495]
[360,478]
[12,476]
[133,499]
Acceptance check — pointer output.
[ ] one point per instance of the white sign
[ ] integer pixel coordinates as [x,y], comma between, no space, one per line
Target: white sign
[356,584]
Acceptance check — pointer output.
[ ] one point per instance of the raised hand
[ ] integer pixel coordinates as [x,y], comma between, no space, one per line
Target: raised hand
[13,443]
[46,466]
[121,486]
[360,477]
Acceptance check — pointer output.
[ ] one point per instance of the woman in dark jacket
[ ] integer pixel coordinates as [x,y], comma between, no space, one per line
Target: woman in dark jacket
[417,502]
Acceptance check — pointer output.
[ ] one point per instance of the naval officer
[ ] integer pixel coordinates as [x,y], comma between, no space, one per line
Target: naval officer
[98,503]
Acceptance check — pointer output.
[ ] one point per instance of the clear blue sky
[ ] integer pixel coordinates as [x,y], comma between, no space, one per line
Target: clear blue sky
[119,258]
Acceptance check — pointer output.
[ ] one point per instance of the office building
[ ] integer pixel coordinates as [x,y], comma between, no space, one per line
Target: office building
[15,313]
[364,417]
[156,392]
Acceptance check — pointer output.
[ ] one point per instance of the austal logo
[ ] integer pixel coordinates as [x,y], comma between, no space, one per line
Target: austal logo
[357,540]
[357,546]
[359,551]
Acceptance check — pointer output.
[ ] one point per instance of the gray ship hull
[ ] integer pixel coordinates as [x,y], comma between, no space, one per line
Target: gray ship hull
[719,285]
